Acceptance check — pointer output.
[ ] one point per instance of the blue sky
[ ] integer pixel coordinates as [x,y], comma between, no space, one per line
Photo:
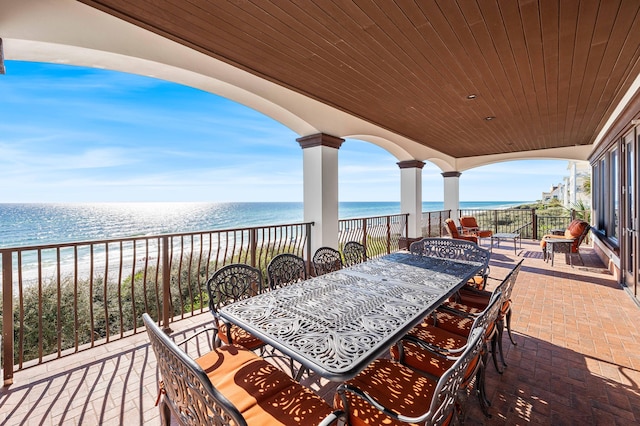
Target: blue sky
[72,134]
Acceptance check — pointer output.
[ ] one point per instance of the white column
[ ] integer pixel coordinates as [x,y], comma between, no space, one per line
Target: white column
[320,163]
[452,193]
[411,195]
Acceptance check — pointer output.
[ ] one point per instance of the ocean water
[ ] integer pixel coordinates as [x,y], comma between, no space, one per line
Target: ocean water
[36,224]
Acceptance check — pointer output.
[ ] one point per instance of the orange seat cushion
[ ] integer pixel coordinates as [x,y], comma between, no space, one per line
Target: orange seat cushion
[573,231]
[239,336]
[423,360]
[396,386]
[260,391]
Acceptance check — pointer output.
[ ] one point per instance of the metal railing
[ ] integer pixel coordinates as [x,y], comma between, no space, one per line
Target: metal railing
[530,223]
[380,234]
[432,223]
[59,299]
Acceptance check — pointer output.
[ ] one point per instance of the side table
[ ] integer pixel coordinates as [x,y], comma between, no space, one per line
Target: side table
[557,245]
[507,236]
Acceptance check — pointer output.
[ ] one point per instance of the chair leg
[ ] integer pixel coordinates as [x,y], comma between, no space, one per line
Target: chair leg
[500,325]
[494,355]
[482,390]
[509,327]
[165,413]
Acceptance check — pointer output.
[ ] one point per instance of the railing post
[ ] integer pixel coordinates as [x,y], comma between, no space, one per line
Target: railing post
[534,224]
[166,285]
[364,234]
[308,236]
[253,246]
[406,225]
[7,316]
[388,234]
[573,214]
[495,221]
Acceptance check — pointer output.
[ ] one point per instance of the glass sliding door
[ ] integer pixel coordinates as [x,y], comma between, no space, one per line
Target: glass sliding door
[629,237]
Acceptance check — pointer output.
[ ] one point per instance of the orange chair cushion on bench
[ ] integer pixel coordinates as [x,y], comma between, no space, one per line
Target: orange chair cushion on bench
[261,392]
[573,232]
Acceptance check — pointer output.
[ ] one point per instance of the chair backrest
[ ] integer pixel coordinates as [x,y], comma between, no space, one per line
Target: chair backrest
[449,248]
[490,314]
[506,286]
[285,269]
[325,260]
[576,245]
[446,391]
[188,391]
[232,283]
[353,253]
[452,229]
[468,222]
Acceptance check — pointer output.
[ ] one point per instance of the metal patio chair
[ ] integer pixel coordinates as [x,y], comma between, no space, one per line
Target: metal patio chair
[229,386]
[227,285]
[354,253]
[285,269]
[325,260]
[388,392]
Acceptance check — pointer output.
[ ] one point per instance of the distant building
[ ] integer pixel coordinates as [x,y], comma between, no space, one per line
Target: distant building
[571,192]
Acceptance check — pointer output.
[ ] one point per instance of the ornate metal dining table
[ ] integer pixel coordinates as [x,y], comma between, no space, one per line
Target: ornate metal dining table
[338,323]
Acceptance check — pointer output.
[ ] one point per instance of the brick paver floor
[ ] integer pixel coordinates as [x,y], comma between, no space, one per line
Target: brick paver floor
[577,359]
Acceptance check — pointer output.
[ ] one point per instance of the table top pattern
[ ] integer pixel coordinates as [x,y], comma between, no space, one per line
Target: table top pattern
[337,323]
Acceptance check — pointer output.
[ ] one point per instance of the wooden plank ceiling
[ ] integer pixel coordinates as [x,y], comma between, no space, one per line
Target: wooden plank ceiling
[550,72]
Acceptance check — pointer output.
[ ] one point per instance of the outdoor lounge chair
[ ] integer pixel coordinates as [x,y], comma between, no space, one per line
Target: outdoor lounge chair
[229,386]
[452,229]
[470,227]
[576,231]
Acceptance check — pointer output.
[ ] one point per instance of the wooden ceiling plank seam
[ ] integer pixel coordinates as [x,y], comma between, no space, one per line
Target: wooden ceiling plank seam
[512,19]
[532,29]
[311,72]
[492,68]
[269,57]
[550,25]
[403,21]
[436,29]
[569,13]
[587,14]
[605,19]
[617,61]
[432,93]
[393,44]
[496,29]
[364,45]
[439,35]
[400,21]
[484,76]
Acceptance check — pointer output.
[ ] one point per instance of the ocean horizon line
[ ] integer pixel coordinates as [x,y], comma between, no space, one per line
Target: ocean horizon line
[28,224]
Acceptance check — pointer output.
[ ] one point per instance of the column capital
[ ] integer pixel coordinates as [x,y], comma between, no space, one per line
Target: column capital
[451,174]
[320,139]
[410,164]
